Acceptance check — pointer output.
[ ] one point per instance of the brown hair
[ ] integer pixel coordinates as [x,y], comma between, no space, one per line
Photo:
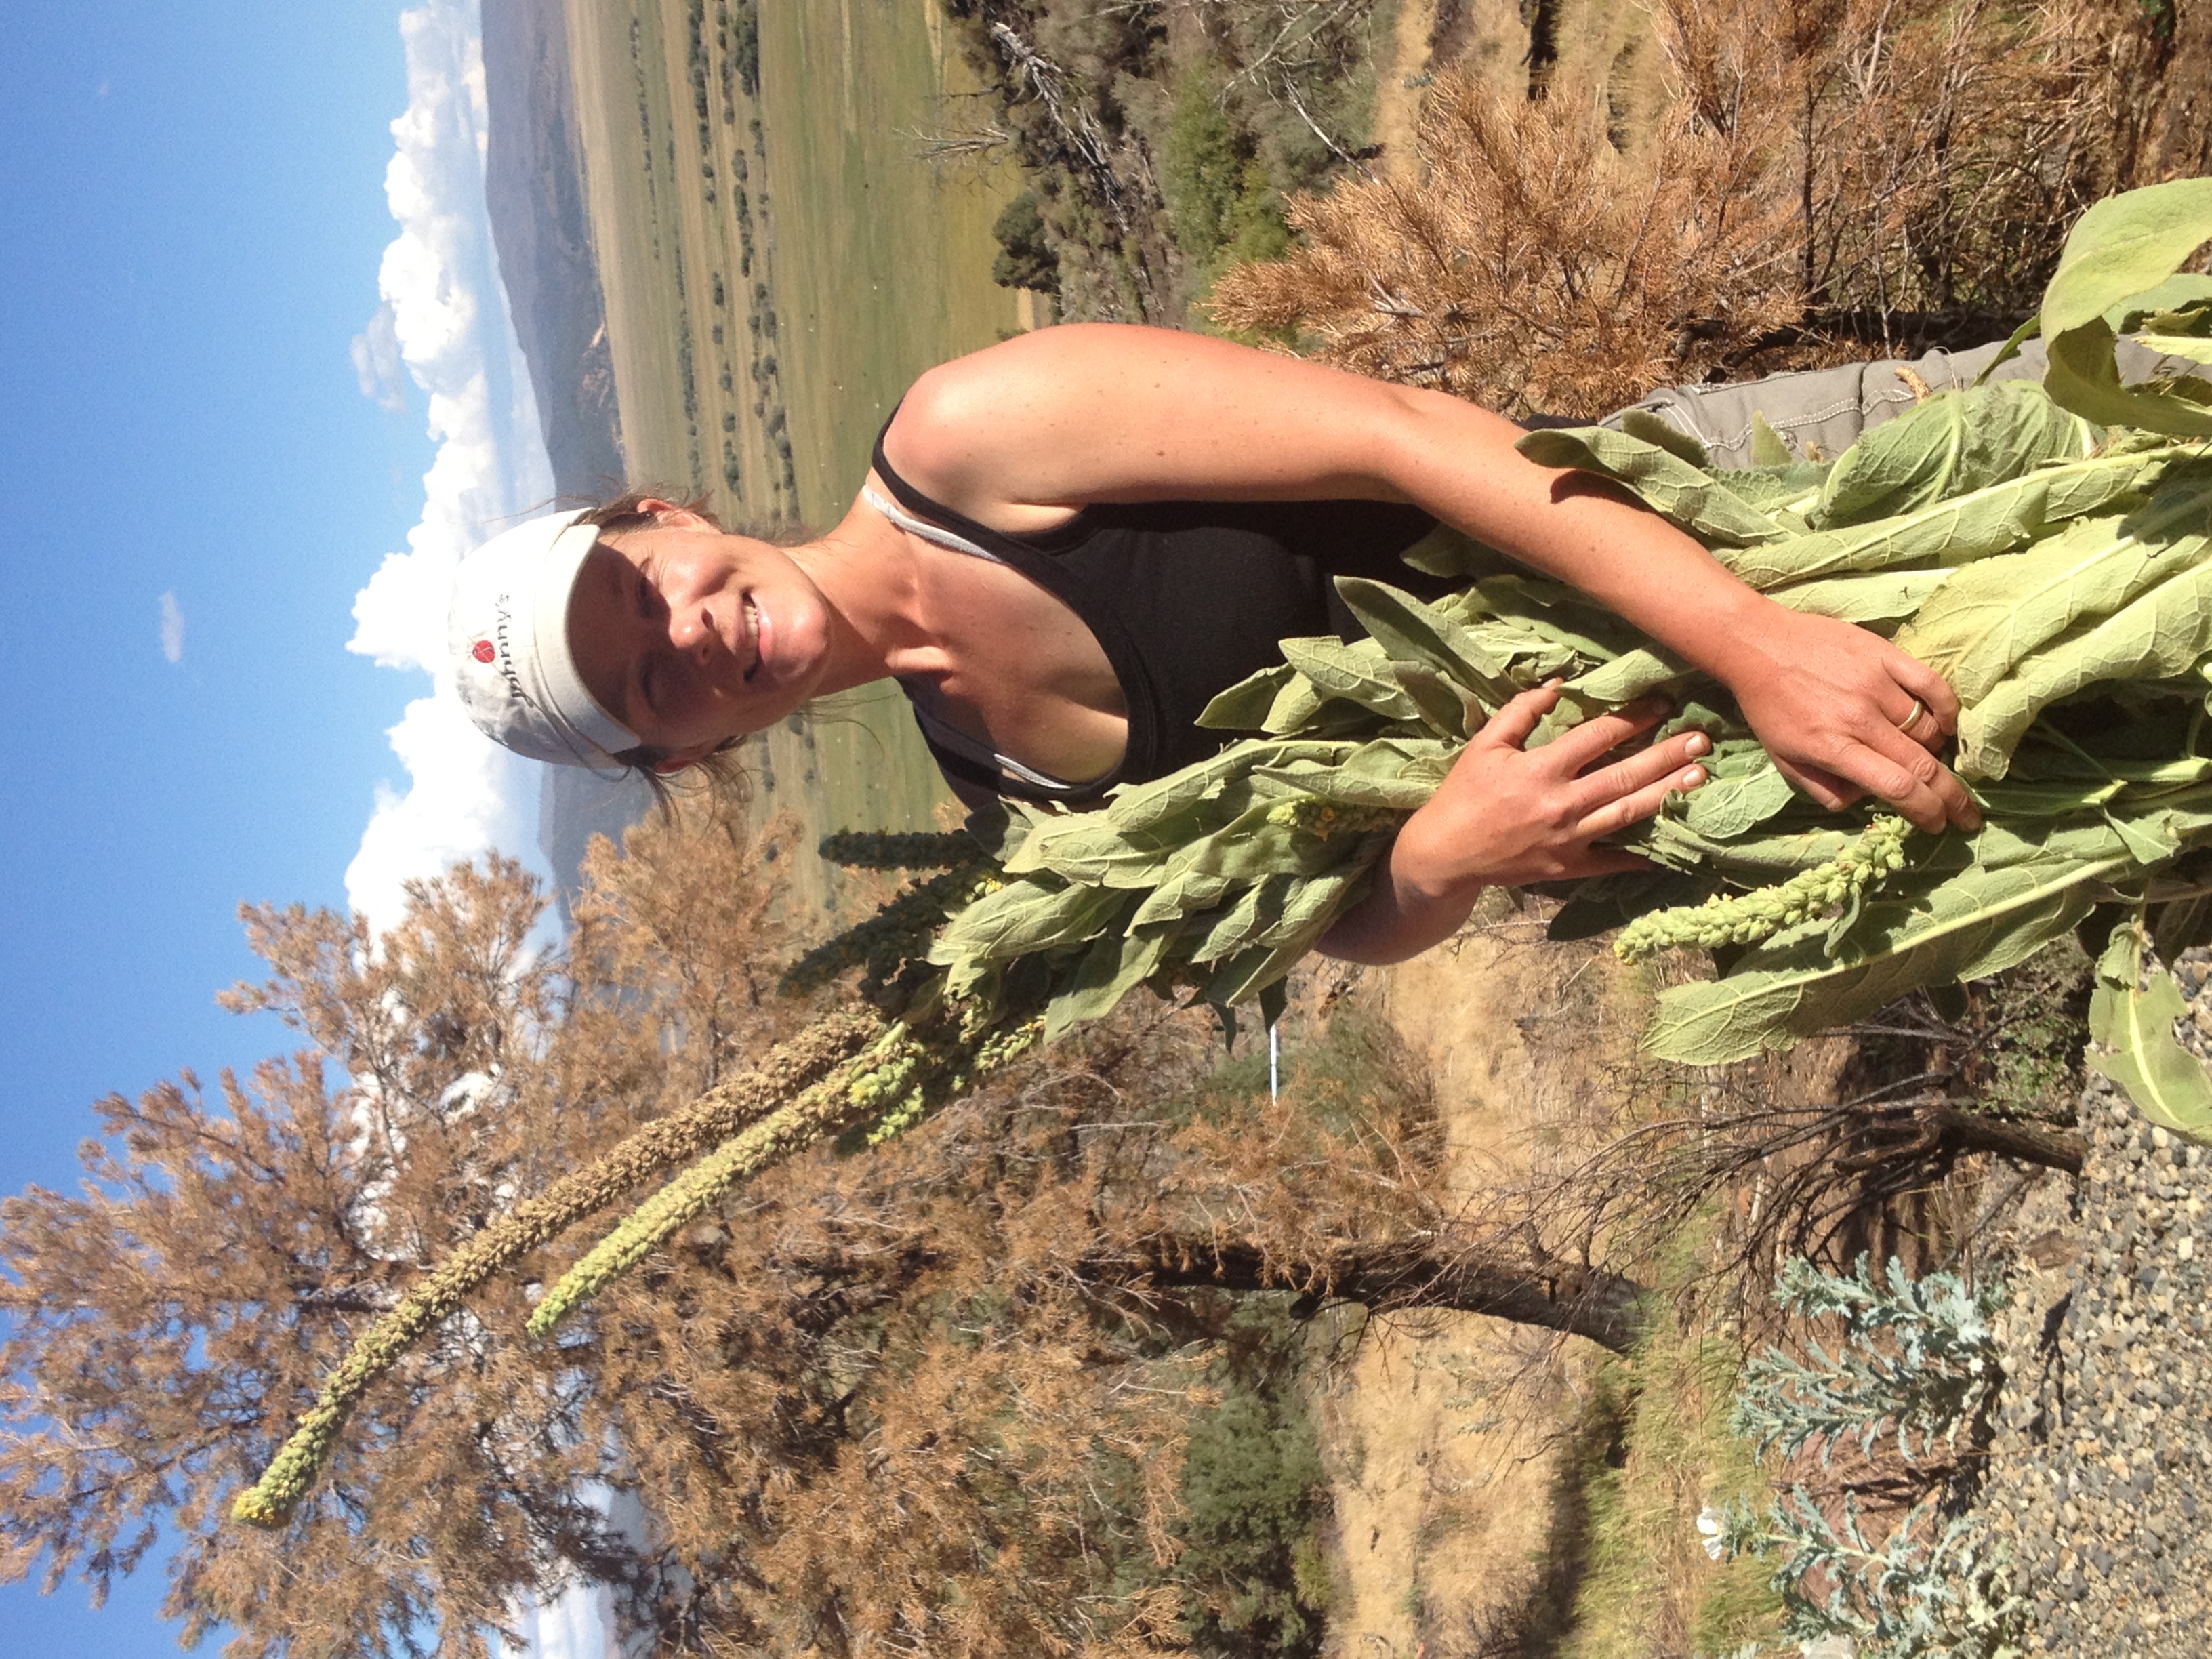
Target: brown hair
[627,511]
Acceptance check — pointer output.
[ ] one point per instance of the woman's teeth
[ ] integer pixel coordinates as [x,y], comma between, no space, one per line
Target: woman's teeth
[752,637]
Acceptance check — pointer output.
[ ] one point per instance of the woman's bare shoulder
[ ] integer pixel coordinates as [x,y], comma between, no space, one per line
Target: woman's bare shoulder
[965,425]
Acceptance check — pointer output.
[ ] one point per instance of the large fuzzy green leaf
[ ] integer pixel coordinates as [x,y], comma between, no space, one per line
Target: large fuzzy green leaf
[1737,801]
[1627,678]
[1783,493]
[2159,635]
[1239,927]
[1146,806]
[1090,849]
[2196,346]
[1691,496]
[1399,773]
[2179,304]
[1445,709]
[1991,520]
[1651,428]
[2084,375]
[2123,248]
[1951,445]
[1445,552]
[1540,613]
[1180,896]
[1413,632]
[1964,926]
[2174,318]
[1022,916]
[1244,707]
[1315,904]
[1873,596]
[2132,1023]
[1109,971]
[1993,613]
[1358,673]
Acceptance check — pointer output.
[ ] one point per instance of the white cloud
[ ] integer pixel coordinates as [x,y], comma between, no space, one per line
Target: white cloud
[576,1625]
[172,629]
[376,361]
[580,1623]
[444,319]
[467,794]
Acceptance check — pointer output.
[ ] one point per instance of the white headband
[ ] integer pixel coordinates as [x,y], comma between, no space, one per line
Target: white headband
[508,633]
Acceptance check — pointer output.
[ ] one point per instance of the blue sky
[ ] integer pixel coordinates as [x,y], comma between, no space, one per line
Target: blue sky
[196,216]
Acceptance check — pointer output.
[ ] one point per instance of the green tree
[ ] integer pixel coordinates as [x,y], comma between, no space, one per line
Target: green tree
[1025,258]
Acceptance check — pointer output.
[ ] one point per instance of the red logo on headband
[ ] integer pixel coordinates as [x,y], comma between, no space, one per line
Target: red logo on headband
[482,651]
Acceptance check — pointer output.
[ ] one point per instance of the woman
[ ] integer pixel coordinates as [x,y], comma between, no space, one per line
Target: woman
[1071,540]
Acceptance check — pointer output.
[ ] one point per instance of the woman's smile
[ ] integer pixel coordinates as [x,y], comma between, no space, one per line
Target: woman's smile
[757,637]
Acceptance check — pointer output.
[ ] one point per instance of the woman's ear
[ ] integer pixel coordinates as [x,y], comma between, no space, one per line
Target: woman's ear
[671,515]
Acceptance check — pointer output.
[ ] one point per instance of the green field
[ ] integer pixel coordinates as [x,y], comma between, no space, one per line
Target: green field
[778,268]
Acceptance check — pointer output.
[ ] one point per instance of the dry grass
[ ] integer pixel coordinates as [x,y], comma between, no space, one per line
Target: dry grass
[1738,190]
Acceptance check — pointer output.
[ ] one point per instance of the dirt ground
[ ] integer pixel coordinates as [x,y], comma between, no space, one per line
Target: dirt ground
[1398,87]
[1438,1429]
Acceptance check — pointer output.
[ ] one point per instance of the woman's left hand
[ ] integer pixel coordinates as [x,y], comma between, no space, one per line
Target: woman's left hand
[1844,713]
[1506,815]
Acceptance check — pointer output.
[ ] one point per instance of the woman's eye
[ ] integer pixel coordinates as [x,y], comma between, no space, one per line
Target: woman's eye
[644,596]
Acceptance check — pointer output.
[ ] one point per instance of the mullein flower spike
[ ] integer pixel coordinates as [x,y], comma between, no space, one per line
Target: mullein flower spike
[1749,918]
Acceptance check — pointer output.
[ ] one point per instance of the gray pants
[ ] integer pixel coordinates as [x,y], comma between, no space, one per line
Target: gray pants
[1820,412]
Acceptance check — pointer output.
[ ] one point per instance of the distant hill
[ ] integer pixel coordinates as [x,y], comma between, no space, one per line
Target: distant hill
[534,187]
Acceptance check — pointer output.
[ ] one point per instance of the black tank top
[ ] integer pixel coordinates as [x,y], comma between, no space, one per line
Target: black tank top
[1185,598]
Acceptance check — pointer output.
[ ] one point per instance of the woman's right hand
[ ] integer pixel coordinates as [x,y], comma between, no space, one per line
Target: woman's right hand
[1506,815]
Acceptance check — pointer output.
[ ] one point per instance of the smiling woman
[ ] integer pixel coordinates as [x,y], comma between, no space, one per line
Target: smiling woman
[1070,543]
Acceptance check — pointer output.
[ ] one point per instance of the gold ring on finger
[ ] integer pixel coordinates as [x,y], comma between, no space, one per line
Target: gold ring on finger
[1912,719]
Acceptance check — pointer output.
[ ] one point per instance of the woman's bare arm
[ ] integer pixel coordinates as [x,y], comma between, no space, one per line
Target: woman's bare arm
[1018,435]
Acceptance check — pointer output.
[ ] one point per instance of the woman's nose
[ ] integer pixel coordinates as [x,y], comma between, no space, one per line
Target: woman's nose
[692,631]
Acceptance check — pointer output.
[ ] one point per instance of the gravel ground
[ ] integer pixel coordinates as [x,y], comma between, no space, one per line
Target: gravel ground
[2103,1456]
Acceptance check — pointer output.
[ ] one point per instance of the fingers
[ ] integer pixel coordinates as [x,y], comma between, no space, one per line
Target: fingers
[1825,788]
[1603,733]
[1919,723]
[1890,765]
[1932,691]
[1509,727]
[1616,813]
[1600,861]
[1663,763]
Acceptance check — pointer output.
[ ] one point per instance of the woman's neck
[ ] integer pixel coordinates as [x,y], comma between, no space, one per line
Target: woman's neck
[868,571]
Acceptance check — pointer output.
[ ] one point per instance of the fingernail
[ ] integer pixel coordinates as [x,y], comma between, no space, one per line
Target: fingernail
[1699,744]
[1694,777]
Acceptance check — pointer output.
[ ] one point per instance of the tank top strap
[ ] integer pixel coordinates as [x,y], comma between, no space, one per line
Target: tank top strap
[957,752]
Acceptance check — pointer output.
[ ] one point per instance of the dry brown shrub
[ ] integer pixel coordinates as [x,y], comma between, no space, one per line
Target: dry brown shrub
[1773,187]
[1534,266]
[916,1400]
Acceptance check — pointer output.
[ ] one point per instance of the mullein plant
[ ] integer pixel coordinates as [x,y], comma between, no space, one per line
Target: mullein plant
[1916,1365]
[2048,548]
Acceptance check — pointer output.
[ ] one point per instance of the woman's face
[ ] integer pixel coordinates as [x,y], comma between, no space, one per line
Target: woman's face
[689,636]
